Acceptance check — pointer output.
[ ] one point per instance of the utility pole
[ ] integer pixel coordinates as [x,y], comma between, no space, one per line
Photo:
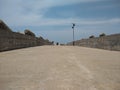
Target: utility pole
[73,33]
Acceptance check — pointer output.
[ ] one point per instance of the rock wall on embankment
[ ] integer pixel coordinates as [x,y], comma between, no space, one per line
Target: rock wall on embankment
[109,42]
[12,40]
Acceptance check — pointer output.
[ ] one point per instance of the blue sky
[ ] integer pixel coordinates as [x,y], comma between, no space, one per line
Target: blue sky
[52,19]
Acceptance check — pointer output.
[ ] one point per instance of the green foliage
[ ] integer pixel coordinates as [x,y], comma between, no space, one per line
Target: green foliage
[102,35]
[28,32]
[92,36]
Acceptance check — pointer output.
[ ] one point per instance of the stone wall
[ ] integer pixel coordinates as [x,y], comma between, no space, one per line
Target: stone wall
[110,42]
[12,40]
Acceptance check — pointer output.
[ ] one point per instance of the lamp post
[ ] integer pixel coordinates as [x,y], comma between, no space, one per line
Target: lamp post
[73,33]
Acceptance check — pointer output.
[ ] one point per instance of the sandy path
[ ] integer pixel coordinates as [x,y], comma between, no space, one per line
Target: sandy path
[59,68]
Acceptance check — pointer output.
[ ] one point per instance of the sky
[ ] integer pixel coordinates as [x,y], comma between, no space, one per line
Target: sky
[52,19]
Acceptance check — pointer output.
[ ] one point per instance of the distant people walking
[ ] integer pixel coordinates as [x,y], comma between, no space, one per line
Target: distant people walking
[57,43]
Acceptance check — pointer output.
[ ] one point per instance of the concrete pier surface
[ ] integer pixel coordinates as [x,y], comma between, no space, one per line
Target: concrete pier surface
[59,68]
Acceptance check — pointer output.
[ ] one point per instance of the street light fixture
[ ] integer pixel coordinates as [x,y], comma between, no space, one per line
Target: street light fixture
[73,33]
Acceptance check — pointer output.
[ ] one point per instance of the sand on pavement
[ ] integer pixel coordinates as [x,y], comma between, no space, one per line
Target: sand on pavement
[59,68]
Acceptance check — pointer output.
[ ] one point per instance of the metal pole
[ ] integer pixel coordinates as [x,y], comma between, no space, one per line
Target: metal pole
[73,33]
[73,36]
